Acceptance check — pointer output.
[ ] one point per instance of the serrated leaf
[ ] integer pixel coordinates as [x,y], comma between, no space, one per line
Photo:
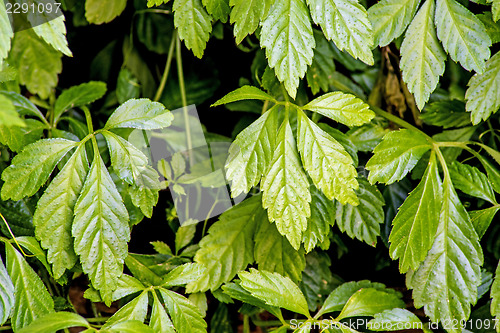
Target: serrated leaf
[184,274]
[493,28]
[447,114]
[38,63]
[340,295]
[8,115]
[495,295]
[101,229]
[52,31]
[275,290]
[229,246]
[368,302]
[273,252]
[23,105]
[394,319]
[390,18]
[363,220]
[103,11]
[7,33]
[32,299]
[246,16]
[141,114]
[288,38]
[6,294]
[143,197]
[17,138]
[326,161]
[184,236]
[483,94]
[136,309]
[53,217]
[446,282]
[54,322]
[219,9]
[286,189]
[160,321]
[82,94]
[237,292]
[320,72]
[193,24]
[417,220]
[244,93]
[422,57]
[343,108]
[481,219]
[185,315]
[251,153]
[367,137]
[322,219]
[462,34]
[396,155]
[471,181]
[346,23]
[30,169]
[495,9]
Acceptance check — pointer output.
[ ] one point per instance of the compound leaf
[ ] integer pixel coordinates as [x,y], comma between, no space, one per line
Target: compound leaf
[185,315]
[288,38]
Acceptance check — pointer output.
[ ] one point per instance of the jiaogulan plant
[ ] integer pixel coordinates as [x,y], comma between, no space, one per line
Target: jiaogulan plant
[362,168]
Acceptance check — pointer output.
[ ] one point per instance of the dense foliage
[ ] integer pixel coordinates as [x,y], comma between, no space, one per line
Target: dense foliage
[363,147]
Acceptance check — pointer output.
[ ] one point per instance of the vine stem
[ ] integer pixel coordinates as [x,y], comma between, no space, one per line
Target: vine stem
[164,77]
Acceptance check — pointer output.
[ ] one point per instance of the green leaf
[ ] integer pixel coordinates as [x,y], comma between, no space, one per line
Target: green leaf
[273,252]
[495,295]
[184,274]
[237,292]
[7,33]
[30,169]
[32,299]
[219,9]
[417,220]
[495,9]
[129,326]
[23,105]
[362,221]
[493,28]
[53,217]
[275,290]
[322,219]
[244,93]
[481,219]
[394,319]
[54,322]
[6,294]
[143,197]
[343,108]
[463,35]
[101,229]
[368,302]
[160,321]
[483,97]
[185,315]
[286,189]
[184,236]
[136,309]
[127,86]
[288,38]
[193,24]
[38,63]
[340,295]
[422,57]
[390,18]
[447,114]
[246,15]
[471,181]
[346,23]
[446,282]
[52,31]
[228,248]
[320,72]
[396,155]
[16,138]
[141,114]
[103,11]
[326,161]
[251,153]
[8,115]
[80,95]
[367,137]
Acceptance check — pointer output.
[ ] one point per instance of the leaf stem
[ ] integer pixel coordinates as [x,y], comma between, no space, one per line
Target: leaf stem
[88,117]
[182,87]
[164,77]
